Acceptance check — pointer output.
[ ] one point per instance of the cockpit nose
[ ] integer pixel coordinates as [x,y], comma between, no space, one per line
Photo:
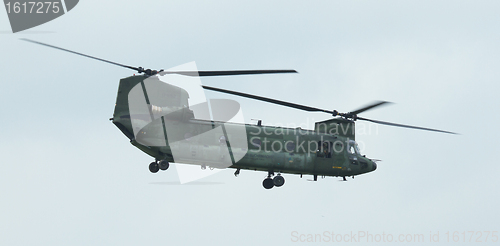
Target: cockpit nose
[374,166]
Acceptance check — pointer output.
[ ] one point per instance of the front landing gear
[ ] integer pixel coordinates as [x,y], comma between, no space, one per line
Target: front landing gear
[268,183]
[277,181]
[154,166]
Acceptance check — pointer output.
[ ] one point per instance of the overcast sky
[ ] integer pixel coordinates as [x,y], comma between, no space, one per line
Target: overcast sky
[68,176]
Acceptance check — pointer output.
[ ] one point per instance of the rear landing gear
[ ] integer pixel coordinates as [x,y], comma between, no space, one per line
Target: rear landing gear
[277,181]
[154,166]
[163,165]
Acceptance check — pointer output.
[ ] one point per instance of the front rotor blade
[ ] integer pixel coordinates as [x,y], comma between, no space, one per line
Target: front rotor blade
[375,104]
[405,126]
[265,99]
[74,52]
[226,73]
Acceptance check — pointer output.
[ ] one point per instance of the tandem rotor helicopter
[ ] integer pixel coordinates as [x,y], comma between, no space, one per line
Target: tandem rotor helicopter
[157,119]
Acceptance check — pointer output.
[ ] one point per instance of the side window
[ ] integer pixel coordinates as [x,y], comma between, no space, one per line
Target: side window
[324,149]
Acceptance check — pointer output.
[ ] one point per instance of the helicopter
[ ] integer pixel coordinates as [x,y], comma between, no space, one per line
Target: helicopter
[157,118]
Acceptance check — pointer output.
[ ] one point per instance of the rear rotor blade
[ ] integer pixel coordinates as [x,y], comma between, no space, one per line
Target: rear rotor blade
[77,53]
[186,73]
[265,99]
[375,104]
[226,73]
[404,126]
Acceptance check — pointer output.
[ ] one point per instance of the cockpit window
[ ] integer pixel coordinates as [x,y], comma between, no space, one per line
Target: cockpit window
[353,148]
[356,147]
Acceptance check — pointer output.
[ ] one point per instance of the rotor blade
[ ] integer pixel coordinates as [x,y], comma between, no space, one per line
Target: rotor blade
[375,104]
[265,99]
[405,126]
[74,52]
[226,73]
[186,73]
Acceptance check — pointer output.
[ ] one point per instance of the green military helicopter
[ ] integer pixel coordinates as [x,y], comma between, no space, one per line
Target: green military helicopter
[156,117]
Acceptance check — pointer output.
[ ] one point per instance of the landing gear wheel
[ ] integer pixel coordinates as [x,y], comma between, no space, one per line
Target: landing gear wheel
[153,167]
[268,183]
[163,165]
[278,181]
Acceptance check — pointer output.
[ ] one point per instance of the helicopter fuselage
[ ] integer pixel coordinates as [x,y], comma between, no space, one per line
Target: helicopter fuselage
[318,152]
